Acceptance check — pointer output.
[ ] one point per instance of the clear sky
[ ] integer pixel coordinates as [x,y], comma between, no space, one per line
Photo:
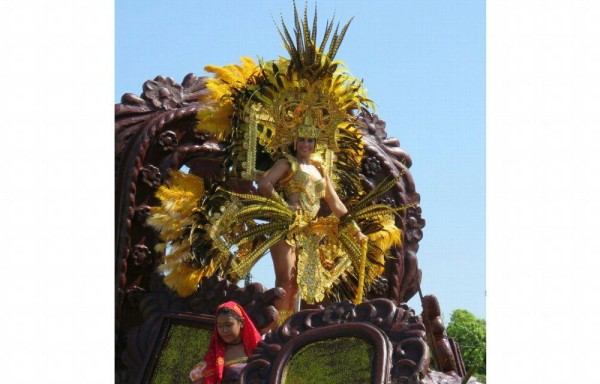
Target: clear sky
[423,63]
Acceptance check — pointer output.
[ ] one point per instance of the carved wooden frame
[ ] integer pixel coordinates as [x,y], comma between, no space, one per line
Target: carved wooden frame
[402,329]
[167,320]
[364,331]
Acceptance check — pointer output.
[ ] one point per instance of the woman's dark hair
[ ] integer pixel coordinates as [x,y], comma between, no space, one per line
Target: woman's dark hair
[291,149]
[229,312]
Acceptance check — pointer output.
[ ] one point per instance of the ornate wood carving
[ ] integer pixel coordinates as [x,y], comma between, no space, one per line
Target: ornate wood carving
[365,331]
[154,135]
[403,329]
[446,352]
[383,156]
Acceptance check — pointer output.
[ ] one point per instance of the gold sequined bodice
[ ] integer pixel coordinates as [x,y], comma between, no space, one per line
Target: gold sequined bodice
[310,192]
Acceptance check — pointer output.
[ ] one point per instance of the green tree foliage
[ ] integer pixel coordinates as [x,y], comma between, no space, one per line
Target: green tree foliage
[469,332]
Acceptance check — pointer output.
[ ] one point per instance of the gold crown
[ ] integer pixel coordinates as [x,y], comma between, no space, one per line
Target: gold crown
[306,129]
[294,107]
[304,122]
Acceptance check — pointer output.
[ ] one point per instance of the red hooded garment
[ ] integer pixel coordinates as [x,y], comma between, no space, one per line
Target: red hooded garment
[215,357]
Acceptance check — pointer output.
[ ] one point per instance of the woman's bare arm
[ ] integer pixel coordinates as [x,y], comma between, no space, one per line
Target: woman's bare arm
[333,201]
[338,208]
[266,183]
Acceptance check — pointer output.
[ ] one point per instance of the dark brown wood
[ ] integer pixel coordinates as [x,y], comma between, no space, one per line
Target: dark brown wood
[448,354]
[364,331]
[460,364]
[154,135]
[402,329]
[383,156]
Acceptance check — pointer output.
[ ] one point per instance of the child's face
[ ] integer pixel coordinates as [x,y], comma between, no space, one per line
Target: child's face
[229,329]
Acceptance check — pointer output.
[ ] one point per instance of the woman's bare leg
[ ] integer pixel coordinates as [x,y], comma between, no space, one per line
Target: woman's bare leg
[284,263]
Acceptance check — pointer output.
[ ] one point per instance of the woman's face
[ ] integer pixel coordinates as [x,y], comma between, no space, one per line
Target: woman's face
[305,146]
[229,329]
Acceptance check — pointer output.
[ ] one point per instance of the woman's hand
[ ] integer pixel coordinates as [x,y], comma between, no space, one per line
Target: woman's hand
[360,237]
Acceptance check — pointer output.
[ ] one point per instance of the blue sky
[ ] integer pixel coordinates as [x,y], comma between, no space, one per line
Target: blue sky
[423,63]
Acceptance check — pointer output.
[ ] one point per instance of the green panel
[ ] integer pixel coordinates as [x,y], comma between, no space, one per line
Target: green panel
[184,347]
[343,360]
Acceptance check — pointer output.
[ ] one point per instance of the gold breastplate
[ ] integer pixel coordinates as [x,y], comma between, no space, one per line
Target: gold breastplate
[311,192]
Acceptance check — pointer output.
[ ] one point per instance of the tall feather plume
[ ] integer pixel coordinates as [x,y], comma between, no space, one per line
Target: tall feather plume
[314,30]
[328,28]
[340,38]
[306,58]
[298,32]
[294,55]
[286,44]
[333,41]
[309,46]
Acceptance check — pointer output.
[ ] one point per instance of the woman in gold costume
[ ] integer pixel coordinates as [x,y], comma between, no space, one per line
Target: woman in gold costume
[303,186]
[301,115]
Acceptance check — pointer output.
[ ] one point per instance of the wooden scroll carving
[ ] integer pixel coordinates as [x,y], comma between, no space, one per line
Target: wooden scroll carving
[402,329]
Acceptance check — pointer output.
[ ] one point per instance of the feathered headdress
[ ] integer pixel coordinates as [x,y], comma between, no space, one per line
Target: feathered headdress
[268,106]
